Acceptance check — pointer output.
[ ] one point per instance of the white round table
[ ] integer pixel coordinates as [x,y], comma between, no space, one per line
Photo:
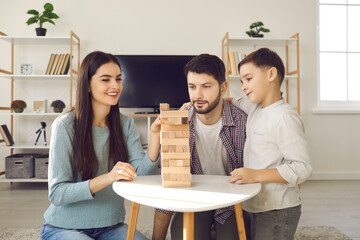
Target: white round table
[207,192]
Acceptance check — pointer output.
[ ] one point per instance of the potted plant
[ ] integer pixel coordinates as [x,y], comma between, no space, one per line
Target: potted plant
[58,106]
[18,106]
[258,28]
[42,18]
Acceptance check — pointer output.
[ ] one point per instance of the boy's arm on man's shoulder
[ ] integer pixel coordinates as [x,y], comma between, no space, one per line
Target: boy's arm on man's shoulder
[242,103]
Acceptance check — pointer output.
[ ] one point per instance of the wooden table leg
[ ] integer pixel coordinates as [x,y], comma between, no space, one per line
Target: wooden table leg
[188,229]
[133,220]
[240,221]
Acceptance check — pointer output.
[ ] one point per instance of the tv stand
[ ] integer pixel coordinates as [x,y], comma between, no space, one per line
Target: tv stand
[156,111]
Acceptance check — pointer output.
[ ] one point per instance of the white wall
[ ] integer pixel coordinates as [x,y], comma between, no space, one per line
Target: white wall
[197,26]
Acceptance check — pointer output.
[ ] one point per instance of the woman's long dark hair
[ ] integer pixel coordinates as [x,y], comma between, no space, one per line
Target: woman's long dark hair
[84,160]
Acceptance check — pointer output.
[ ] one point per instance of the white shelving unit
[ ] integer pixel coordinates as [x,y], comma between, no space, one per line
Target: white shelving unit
[53,43]
[247,45]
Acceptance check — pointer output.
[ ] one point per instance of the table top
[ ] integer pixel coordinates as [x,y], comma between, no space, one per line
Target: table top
[207,192]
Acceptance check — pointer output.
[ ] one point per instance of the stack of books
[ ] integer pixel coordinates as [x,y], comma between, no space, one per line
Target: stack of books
[234,60]
[59,64]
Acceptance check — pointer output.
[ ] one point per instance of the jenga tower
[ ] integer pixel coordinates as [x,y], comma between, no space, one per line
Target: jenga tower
[175,150]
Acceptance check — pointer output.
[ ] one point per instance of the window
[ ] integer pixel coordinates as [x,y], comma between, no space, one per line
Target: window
[339,52]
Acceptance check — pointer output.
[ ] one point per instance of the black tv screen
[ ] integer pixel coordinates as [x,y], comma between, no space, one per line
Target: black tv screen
[149,80]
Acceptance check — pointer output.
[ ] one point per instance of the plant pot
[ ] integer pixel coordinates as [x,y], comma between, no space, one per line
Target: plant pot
[258,35]
[40,31]
[58,110]
[18,110]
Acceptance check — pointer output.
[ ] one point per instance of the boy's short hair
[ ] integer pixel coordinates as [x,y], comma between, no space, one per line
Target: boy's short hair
[264,57]
[209,64]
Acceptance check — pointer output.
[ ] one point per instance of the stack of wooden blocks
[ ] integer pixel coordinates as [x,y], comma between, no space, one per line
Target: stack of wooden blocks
[175,150]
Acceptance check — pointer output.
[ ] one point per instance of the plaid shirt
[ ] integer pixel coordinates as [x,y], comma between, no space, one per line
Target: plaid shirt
[233,136]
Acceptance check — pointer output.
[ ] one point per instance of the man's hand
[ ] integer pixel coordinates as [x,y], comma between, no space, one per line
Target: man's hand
[185,105]
[161,225]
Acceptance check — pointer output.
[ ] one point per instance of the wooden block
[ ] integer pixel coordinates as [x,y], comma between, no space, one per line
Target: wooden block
[175,170]
[166,176]
[184,127]
[173,163]
[173,121]
[164,107]
[173,177]
[165,163]
[185,120]
[168,148]
[186,163]
[182,134]
[184,177]
[182,148]
[174,113]
[184,155]
[179,163]
[176,184]
[175,141]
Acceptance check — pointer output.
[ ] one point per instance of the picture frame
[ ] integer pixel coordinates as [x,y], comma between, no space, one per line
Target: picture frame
[39,106]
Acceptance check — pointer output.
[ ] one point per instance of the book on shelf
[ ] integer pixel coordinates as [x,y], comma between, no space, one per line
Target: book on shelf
[53,67]
[66,64]
[6,135]
[51,61]
[233,67]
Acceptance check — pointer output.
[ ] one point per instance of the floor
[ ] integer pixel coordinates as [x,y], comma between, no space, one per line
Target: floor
[332,203]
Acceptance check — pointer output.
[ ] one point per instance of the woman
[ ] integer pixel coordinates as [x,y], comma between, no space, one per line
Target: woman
[91,147]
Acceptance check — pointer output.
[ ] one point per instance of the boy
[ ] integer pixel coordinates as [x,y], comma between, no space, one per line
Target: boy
[275,151]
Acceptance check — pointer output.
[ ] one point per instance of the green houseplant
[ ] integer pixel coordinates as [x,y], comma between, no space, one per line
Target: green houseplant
[258,28]
[18,106]
[58,106]
[42,18]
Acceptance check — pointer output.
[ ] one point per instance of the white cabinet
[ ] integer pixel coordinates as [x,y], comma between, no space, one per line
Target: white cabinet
[37,86]
[288,50]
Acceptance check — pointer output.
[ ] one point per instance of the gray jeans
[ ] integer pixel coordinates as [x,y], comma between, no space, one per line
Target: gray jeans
[203,227]
[272,225]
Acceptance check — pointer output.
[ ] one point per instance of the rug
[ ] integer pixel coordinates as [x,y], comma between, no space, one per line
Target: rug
[302,233]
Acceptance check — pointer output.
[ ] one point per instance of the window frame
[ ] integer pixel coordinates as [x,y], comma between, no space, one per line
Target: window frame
[332,106]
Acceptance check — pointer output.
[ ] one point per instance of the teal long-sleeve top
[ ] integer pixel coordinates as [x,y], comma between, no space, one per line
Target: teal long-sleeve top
[72,204]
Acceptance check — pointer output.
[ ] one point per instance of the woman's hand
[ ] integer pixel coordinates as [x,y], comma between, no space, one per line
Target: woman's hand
[154,140]
[122,171]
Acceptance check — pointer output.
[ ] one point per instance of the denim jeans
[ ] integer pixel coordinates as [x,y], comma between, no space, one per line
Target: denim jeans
[118,232]
[275,224]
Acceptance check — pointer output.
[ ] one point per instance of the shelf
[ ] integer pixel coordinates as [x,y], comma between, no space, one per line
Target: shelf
[27,145]
[37,40]
[3,179]
[268,42]
[237,77]
[24,77]
[31,114]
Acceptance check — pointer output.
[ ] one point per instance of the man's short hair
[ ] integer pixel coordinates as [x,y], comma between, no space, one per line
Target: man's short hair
[209,64]
[264,57]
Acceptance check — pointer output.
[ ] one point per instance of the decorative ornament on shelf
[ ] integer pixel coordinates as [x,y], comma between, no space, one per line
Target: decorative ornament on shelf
[58,106]
[42,18]
[18,106]
[258,28]
[26,69]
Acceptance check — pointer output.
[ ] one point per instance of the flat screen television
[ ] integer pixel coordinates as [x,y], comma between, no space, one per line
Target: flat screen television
[149,80]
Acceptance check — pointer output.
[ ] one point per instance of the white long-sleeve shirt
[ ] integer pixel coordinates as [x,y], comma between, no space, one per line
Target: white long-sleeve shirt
[275,138]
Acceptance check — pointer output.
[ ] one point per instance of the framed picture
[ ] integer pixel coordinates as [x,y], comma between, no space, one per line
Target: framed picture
[39,106]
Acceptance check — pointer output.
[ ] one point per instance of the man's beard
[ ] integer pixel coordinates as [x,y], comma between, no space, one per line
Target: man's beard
[211,106]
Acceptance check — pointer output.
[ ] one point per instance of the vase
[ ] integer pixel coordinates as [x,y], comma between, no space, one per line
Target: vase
[40,31]
[18,109]
[58,110]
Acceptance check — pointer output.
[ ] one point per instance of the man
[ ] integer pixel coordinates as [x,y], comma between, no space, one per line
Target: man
[217,137]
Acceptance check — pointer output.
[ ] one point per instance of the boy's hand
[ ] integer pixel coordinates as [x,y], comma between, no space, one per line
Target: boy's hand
[228,99]
[243,175]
